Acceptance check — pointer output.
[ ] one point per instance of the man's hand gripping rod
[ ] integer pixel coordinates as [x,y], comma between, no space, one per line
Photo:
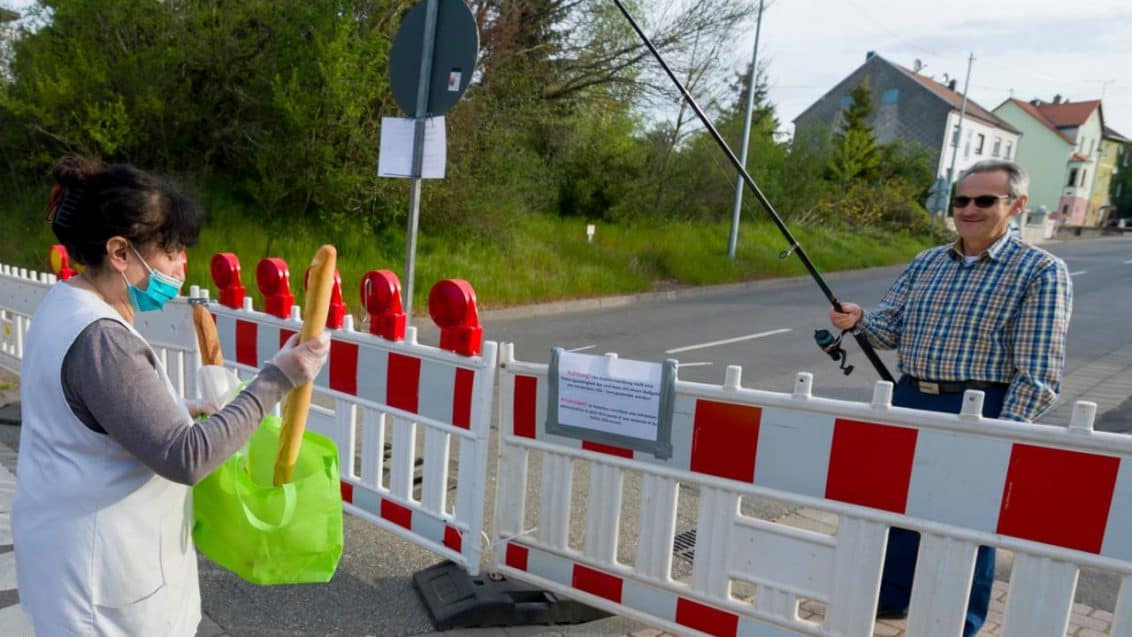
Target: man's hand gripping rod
[861,339]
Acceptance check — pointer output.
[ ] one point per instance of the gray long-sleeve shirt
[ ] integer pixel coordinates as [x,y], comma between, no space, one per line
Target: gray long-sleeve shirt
[111,383]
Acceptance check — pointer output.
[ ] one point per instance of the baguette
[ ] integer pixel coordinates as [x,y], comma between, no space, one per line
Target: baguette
[298,402]
[207,338]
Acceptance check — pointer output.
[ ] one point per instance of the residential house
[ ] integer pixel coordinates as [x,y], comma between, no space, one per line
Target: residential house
[1082,124]
[1045,155]
[917,109]
[1112,158]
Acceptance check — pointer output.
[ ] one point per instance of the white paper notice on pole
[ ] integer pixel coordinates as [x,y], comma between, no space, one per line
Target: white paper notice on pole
[395,155]
[611,395]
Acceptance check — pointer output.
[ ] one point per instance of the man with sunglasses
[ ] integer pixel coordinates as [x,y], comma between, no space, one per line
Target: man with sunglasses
[987,312]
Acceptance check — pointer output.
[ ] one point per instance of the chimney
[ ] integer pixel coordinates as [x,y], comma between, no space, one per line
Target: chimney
[869,55]
[952,84]
[1035,102]
[1057,99]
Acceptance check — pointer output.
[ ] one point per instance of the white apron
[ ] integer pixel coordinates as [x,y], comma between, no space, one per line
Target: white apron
[103,544]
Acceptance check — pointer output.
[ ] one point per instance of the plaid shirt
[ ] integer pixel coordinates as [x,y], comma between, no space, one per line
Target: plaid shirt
[1002,319]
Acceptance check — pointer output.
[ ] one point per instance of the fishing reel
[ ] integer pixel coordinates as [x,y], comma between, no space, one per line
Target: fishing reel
[832,346]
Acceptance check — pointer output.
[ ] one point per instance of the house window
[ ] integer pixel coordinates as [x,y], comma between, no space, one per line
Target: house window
[1092,142]
[997,148]
[1072,177]
[979,144]
[955,137]
[1009,148]
[846,100]
[1084,172]
[891,96]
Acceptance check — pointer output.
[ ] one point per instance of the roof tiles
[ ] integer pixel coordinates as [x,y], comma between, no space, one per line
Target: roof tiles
[1068,114]
[1033,111]
[956,100]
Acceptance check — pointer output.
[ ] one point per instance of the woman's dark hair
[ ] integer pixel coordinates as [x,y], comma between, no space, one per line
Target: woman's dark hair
[92,202]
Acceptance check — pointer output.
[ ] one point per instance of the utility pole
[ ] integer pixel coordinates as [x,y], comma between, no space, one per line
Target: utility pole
[959,127]
[733,239]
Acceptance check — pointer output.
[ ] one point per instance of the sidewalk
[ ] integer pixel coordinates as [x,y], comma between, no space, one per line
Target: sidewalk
[13,623]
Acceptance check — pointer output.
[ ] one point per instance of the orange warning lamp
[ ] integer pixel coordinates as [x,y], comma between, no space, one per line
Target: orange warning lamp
[60,262]
[381,298]
[226,275]
[452,306]
[337,313]
[273,279]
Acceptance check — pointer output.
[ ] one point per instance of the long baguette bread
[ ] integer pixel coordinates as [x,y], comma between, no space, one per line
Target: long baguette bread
[298,402]
[207,338]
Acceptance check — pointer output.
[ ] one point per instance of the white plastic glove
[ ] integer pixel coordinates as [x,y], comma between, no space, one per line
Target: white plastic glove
[302,361]
[218,385]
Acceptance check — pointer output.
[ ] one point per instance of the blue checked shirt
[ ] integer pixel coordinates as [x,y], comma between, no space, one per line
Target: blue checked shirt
[1001,319]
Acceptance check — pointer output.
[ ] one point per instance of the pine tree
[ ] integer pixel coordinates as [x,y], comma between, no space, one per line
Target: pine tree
[856,154]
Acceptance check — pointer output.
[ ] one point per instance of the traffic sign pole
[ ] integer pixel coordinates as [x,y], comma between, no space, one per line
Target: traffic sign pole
[418,152]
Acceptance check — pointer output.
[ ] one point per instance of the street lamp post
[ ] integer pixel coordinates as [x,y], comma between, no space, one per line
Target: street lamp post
[733,239]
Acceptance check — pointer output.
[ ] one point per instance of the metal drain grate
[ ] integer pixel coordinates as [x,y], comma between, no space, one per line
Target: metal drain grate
[684,545]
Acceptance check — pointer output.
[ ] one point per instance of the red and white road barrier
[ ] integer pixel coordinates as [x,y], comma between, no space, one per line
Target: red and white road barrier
[1060,498]
[394,407]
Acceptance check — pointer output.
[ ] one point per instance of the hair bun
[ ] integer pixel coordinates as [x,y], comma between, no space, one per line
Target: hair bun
[73,170]
[71,174]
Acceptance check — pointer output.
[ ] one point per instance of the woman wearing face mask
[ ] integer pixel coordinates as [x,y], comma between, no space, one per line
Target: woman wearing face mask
[102,516]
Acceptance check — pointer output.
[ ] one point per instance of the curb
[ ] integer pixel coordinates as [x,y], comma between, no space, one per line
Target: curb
[674,294]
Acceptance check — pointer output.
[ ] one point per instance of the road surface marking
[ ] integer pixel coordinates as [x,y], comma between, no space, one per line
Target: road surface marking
[1078,272]
[1128,262]
[726,341]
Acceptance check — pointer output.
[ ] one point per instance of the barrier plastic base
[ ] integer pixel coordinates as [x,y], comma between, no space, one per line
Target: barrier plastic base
[456,600]
[10,414]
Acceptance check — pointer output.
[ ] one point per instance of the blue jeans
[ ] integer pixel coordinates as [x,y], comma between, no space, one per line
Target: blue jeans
[903,544]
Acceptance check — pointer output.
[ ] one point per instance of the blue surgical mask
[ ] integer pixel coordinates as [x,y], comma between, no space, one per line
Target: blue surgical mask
[160,289]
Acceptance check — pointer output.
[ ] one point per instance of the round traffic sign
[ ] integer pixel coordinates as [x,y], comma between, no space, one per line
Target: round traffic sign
[453,62]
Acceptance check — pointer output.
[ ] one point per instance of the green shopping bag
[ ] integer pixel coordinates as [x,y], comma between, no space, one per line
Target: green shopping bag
[290,534]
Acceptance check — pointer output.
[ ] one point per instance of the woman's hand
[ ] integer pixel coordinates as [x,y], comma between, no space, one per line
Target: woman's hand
[302,361]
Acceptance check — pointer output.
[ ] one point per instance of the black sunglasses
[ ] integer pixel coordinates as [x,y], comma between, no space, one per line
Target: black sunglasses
[982,201]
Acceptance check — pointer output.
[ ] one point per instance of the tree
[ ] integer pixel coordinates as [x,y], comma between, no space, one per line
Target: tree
[1120,188]
[855,152]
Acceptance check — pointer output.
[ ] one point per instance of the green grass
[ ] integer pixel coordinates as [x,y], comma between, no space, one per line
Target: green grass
[539,257]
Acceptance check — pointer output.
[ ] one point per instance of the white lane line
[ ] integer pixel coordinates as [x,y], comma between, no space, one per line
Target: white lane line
[726,341]
[1078,272]
[1128,262]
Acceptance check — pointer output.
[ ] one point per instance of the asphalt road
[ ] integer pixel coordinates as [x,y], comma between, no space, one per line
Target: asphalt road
[768,327]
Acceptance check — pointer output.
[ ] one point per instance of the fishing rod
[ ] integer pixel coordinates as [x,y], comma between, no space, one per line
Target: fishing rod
[795,247]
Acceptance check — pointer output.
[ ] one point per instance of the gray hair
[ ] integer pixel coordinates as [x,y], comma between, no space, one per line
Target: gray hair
[1017,182]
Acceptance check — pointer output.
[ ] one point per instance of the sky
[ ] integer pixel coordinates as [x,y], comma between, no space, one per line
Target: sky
[1081,50]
